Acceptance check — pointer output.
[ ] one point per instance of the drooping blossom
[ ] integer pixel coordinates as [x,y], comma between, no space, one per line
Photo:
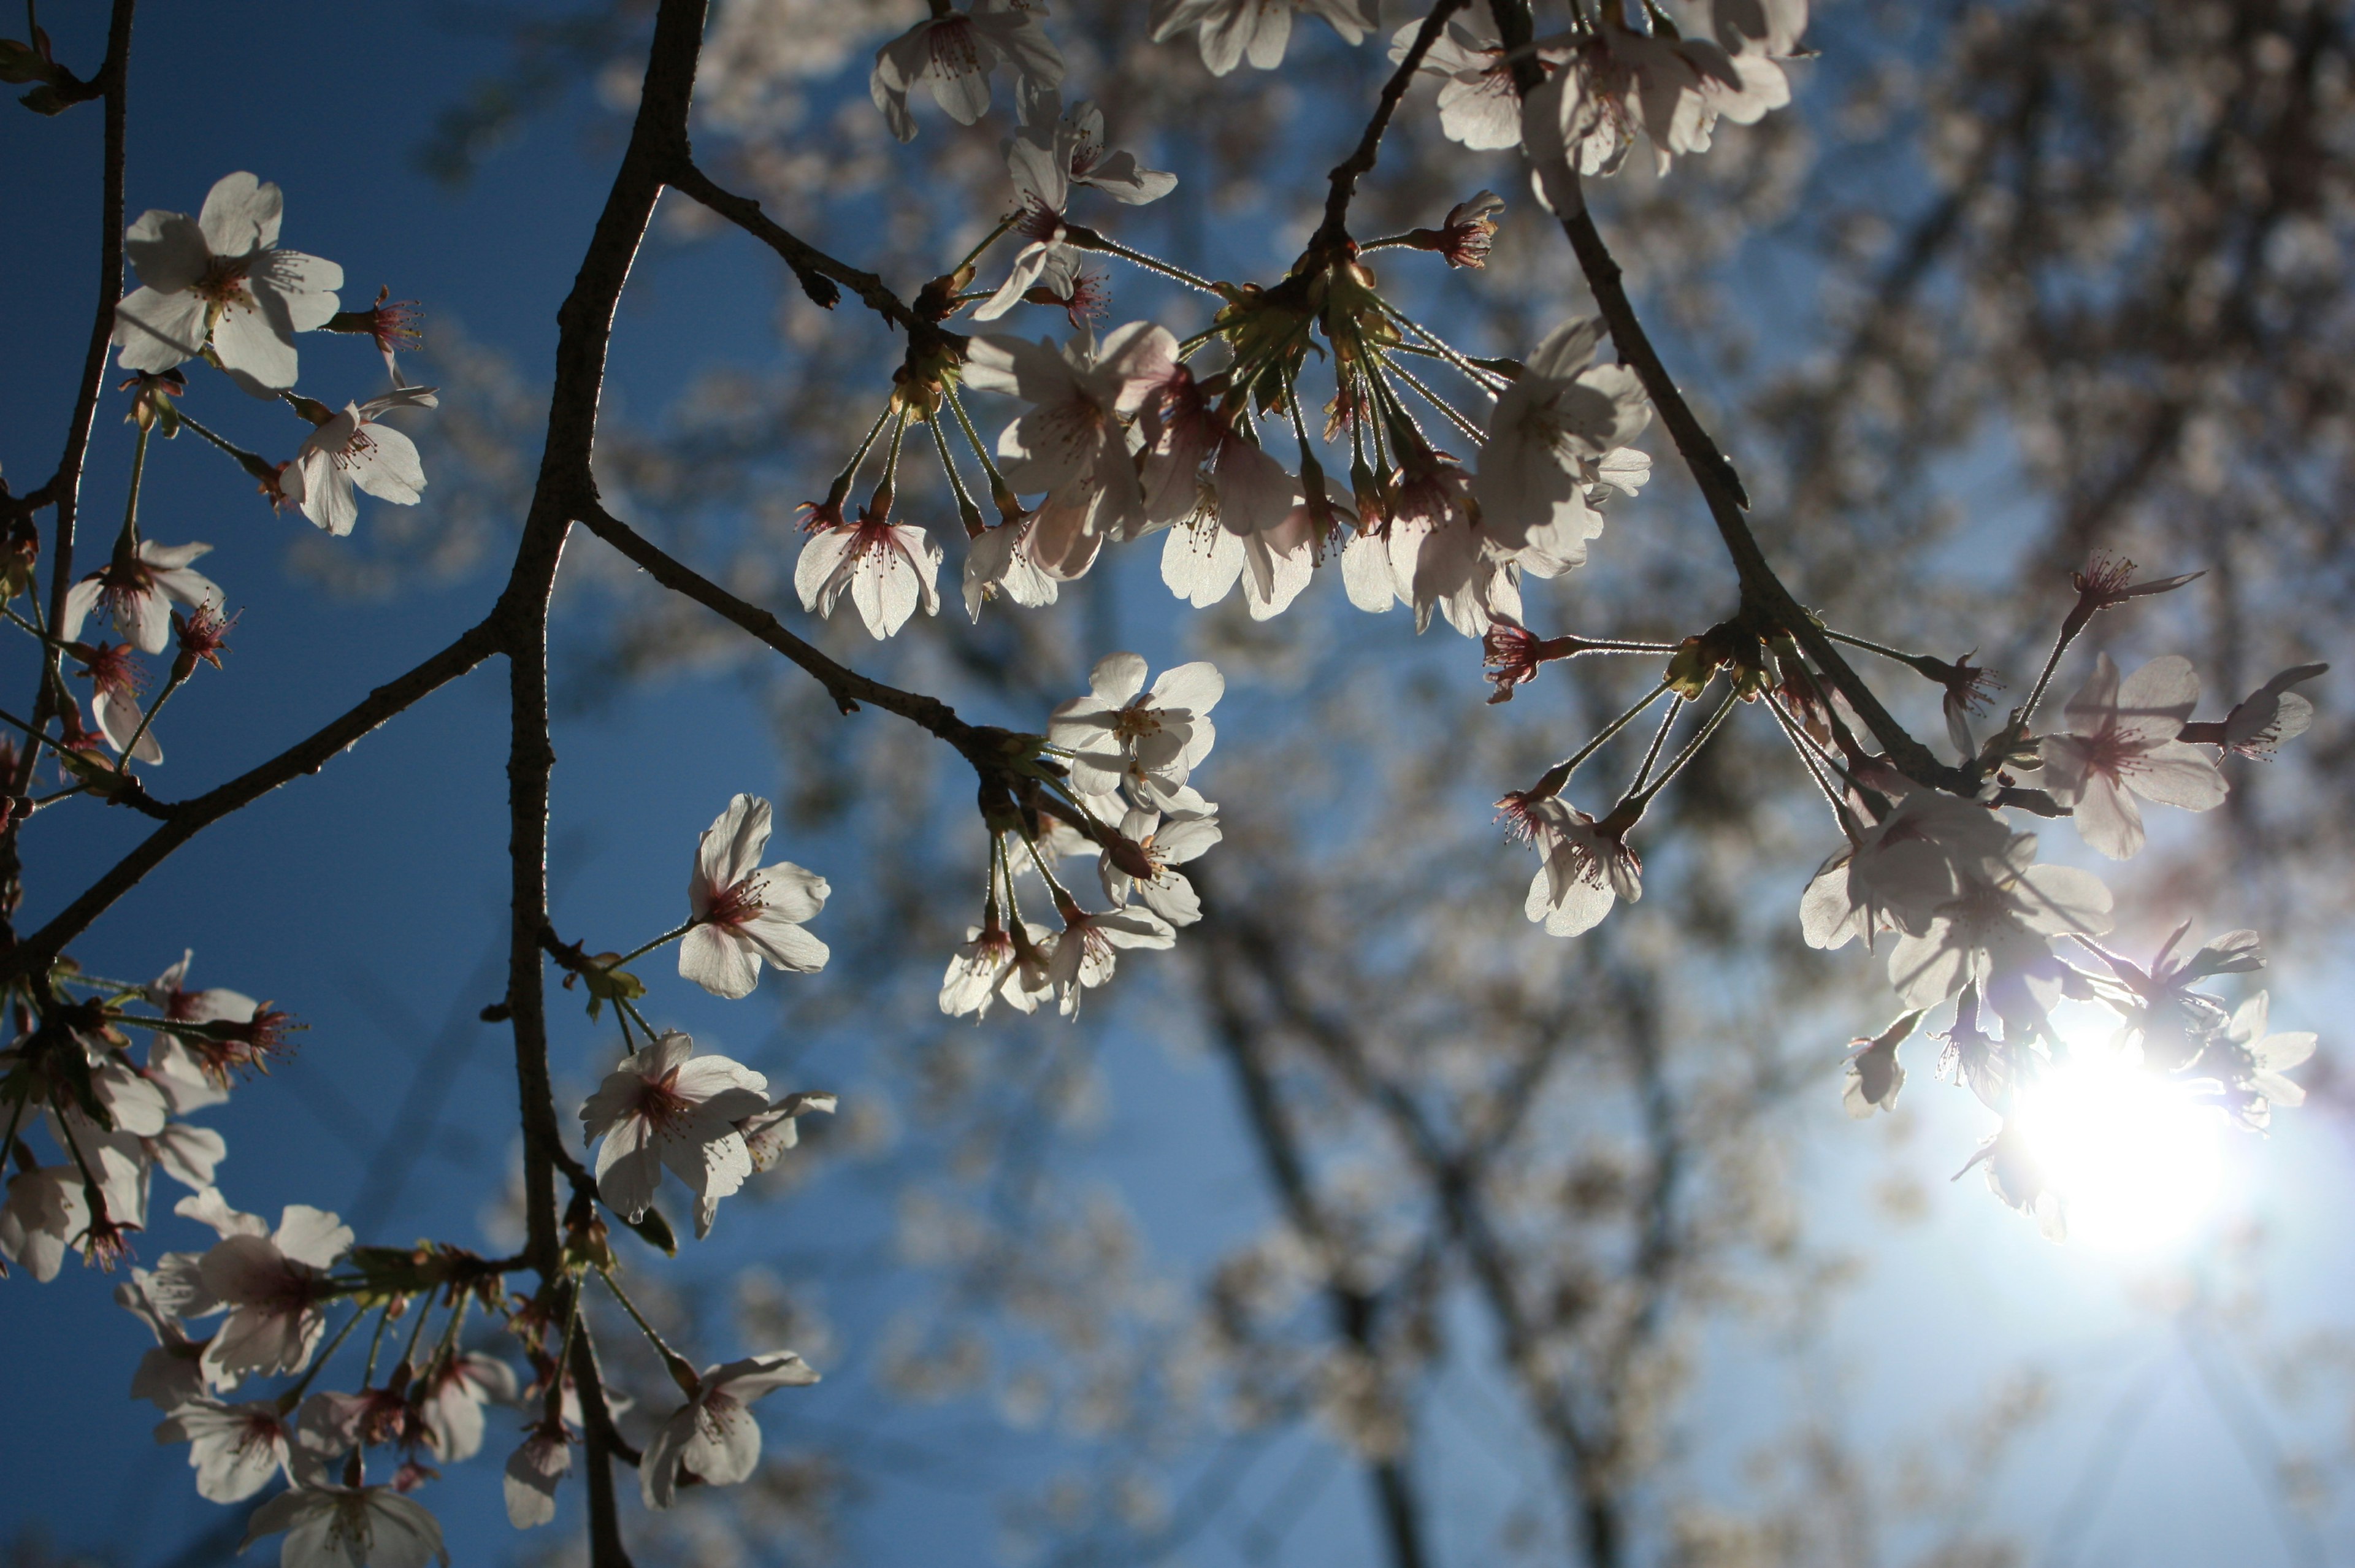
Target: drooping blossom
[1074,441]
[1161,845]
[274,1287]
[1873,1074]
[769,1133]
[1088,947]
[45,1213]
[1433,551]
[713,1437]
[356,450]
[1479,104]
[534,1471]
[137,591]
[1587,868]
[1231,31]
[1073,141]
[451,1404]
[745,912]
[1617,81]
[1165,732]
[348,1526]
[117,681]
[1468,232]
[1996,931]
[1892,878]
[2273,713]
[1190,446]
[235,1449]
[952,54]
[2259,1062]
[2120,744]
[1045,159]
[221,277]
[998,563]
[171,1374]
[1561,427]
[666,1106]
[992,964]
[887,568]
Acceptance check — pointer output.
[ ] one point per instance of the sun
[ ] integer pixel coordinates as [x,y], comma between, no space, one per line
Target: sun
[2136,1158]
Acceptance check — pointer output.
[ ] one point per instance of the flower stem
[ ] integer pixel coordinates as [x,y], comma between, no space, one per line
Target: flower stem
[681,1370]
[1559,774]
[1488,380]
[1433,398]
[1089,239]
[130,540]
[1693,748]
[1659,738]
[640,951]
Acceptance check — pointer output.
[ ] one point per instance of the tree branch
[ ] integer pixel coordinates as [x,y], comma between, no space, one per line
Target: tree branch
[817,271]
[1335,230]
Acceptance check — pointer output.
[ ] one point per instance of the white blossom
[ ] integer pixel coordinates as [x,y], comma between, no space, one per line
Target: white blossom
[138,590]
[1995,930]
[1558,430]
[533,1472]
[1164,843]
[1232,31]
[1587,868]
[666,1106]
[44,1213]
[997,561]
[272,1285]
[2273,713]
[235,1449]
[171,1374]
[991,967]
[1073,442]
[713,1436]
[357,449]
[745,912]
[221,277]
[2120,744]
[770,1132]
[2263,1060]
[1915,858]
[348,1526]
[887,568]
[953,55]
[1165,732]
[1089,946]
[452,1402]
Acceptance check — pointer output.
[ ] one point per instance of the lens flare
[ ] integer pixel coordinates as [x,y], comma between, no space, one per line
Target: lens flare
[2138,1160]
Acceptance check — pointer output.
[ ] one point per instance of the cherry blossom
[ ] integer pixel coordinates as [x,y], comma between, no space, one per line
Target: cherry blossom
[1479,104]
[744,912]
[2121,742]
[1587,868]
[1232,31]
[171,1374]
[2260,1061]
[887,568]
[451,1403]
[1187,441]
[221,277]
[137,589]
[713,1437]
[666,1106]
[235,1449]
[1161,844]
[997,561]
[44,1214]
[952,54]
[1995,931]
[1074,441]
[1892,878]
[1165,732]
[533,1473]
[1089,946]
[1074,143]
[355,448]
[274,1287]
[2273,713]
[1561,427]
[769,1133]
[993,965]
[116,682]
[348,1526]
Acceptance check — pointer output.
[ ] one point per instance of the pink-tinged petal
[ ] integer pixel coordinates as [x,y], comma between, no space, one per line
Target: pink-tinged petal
[2174,773]
[390,469]
[711,1170]
[1366,572]
[725,1447]
[306,284]
[81,600]
[719,963]
[533,1473]
[1928,968]
[658,1468]
[754,1376]
[730,848]
[707,1078]
[792,893]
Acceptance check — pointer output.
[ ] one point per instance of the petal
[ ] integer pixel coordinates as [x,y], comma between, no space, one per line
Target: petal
[1116,678]
[241,215]
[167,250]
[719,963]
[155,331]
[784,943]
